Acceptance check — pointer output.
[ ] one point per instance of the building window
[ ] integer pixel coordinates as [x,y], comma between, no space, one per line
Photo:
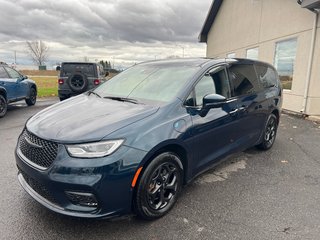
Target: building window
[284,59]
[231,55]
[253,53]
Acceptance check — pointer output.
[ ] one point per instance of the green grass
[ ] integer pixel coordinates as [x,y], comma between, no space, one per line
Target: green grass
[47,92]
[47,86]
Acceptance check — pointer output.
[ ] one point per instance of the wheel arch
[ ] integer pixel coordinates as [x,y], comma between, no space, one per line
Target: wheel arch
[33,85]
[276,112]
[3,92]
[169,146]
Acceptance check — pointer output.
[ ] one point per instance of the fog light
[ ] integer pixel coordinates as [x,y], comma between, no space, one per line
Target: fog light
[82,199]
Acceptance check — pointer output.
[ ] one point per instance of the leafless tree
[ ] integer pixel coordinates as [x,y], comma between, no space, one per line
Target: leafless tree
[38,51]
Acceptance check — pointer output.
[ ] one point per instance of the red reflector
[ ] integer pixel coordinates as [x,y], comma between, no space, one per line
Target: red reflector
[96,82]
[61,81]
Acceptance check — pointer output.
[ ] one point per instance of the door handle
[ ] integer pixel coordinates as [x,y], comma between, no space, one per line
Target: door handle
[241,108]
[234,112]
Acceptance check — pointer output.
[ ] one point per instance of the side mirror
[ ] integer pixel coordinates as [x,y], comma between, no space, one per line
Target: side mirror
[58,68]
[21,78]
[213,101]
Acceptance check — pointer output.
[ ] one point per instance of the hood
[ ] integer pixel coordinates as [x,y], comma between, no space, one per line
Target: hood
[86,118]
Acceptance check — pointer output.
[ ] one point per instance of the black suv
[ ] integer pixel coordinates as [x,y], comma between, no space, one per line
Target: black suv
[79,77]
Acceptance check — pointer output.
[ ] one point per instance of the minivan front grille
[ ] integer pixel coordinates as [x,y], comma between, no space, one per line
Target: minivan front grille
[36,150]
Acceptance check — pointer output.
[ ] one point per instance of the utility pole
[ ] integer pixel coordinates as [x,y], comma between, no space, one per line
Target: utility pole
[182,49]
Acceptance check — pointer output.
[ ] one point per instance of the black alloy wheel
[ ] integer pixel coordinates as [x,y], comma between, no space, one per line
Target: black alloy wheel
[159,186]
[270,132]
[32,98]
[3,106]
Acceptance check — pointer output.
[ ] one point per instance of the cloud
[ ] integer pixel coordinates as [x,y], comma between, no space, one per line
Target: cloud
[124,29]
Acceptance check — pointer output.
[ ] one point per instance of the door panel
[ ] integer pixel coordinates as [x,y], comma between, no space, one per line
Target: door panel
[21,87]
[247,90]
[214,134]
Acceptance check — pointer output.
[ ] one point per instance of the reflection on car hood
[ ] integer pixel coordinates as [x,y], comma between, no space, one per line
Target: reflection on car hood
[86,118]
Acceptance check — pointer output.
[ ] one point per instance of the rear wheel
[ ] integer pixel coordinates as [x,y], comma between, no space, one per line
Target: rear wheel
[159,186]
[3,106]
[270,132]
[32,97]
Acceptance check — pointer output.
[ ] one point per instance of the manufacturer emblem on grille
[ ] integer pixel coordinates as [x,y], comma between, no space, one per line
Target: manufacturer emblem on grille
[32,144]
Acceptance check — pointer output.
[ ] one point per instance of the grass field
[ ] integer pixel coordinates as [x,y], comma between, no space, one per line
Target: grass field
[47,86]
[47,81]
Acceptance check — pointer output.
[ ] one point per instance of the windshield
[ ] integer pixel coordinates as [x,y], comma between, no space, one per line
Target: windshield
[155,83]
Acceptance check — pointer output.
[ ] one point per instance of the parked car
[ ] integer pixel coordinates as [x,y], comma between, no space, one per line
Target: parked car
[130,144]
[15,87]
[78,77]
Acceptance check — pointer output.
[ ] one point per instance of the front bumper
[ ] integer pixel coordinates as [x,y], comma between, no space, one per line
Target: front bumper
[108,179]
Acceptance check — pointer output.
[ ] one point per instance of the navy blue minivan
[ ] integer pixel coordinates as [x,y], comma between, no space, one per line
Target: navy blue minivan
[132,143]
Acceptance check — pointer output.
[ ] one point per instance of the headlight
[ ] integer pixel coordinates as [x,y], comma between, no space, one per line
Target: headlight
[93,150]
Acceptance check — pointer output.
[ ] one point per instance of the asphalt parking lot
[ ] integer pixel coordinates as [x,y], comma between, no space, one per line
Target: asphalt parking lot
[252,195]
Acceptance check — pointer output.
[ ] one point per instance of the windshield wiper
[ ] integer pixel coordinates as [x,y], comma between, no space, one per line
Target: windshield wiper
[89,92]
[122,99]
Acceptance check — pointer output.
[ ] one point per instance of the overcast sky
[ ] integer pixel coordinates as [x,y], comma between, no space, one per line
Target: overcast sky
[123,31]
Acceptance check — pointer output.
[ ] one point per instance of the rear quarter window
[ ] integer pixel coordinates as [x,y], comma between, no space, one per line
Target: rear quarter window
[266,76]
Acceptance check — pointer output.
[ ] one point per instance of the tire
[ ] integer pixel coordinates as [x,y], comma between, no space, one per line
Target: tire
[78,82]
[32,97]
[269,133]
[159,187]
[3,106]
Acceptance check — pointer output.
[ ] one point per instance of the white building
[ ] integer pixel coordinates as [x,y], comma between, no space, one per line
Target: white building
[284,33]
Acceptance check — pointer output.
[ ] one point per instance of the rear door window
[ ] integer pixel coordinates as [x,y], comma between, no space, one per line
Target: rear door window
[243,79]
[267,76]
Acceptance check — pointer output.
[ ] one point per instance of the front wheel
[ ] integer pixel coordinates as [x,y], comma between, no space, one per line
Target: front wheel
[32,97]
[269,134]
[159,186]
[3,106]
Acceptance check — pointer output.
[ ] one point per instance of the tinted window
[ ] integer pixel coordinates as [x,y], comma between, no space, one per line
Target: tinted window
[12,73]
[266,76]
[214,82]
[244,79]
[3,73]
[71,68]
